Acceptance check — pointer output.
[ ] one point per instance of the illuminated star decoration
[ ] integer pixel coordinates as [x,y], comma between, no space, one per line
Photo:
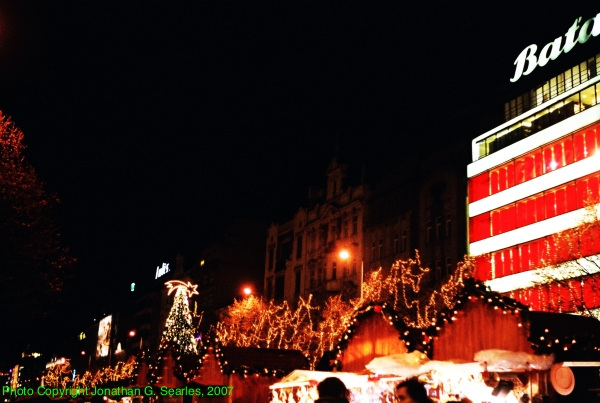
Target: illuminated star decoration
[189,288]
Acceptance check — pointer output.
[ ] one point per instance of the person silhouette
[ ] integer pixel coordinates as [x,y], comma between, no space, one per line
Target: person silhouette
[412,391]
[332,390]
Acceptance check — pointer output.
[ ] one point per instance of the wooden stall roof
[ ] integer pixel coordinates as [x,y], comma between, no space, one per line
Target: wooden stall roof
[375,331]
[569,337]
[478,326]
[481,319]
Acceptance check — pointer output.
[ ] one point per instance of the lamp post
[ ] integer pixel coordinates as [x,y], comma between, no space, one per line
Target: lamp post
[344,255]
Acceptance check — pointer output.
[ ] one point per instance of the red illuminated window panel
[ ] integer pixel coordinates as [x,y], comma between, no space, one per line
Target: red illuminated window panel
[508,260]
[516,260]
[593,190]
[524,253]
[479,187]
[540,252]
[479,227]
[504,220]
[567,145]
[565,151]
[579,149]
[571,197]
[550,198]
[561,201]
[497,264]
[548,204]
[483,268]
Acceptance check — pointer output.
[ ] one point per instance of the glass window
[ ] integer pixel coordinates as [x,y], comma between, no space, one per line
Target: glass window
[580,151]
[479,227]
[571,197]
[550,198]
[540,208]
[524,253]
[549,161]
[576,76]
[560,83]
[479,187]
[509,218]
[522,213]
[507,258]
[483,267]
[561,201]
[495,215]
[593,190]
[516,260]
[588,97]
[590,141]
[582,192]
[495,181]
[553,87]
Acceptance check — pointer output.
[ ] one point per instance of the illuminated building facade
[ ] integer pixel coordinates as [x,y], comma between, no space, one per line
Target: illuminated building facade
[418,205]
[303,254]
[533,185]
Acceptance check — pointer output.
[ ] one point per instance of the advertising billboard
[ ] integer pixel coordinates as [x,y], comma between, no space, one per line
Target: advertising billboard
[103,346]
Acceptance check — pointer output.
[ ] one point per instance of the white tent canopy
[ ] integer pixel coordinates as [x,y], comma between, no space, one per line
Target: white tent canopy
[415,363]
[304,377]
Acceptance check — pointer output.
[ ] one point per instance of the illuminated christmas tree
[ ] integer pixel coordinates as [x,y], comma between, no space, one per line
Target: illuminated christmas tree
[179,333]
[178,353]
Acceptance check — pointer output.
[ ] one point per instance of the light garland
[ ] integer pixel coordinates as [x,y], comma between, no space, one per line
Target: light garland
[319,331]
[61,376]
[253,323]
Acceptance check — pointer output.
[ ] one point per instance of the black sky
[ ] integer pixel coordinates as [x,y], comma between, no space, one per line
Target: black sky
[157,123]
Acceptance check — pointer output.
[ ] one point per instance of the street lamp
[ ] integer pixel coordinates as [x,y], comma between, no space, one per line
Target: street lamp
[247,291]
[344,255]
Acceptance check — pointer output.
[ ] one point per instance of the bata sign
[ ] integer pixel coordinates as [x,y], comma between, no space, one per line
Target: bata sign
[528,60]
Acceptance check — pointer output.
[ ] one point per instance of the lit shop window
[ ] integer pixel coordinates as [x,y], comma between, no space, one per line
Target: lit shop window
[479,227]
[479,186]
[565,151]
[504,220]
[569,296]
[551,203]
[542,252]
[541,120]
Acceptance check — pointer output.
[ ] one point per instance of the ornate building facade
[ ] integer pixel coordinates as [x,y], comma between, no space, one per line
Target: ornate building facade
[303,254]
[352,227]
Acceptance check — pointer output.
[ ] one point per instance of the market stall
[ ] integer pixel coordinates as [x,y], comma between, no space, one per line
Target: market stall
[301,387]
[493,375]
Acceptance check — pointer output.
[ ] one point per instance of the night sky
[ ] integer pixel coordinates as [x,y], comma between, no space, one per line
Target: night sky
[158,124]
